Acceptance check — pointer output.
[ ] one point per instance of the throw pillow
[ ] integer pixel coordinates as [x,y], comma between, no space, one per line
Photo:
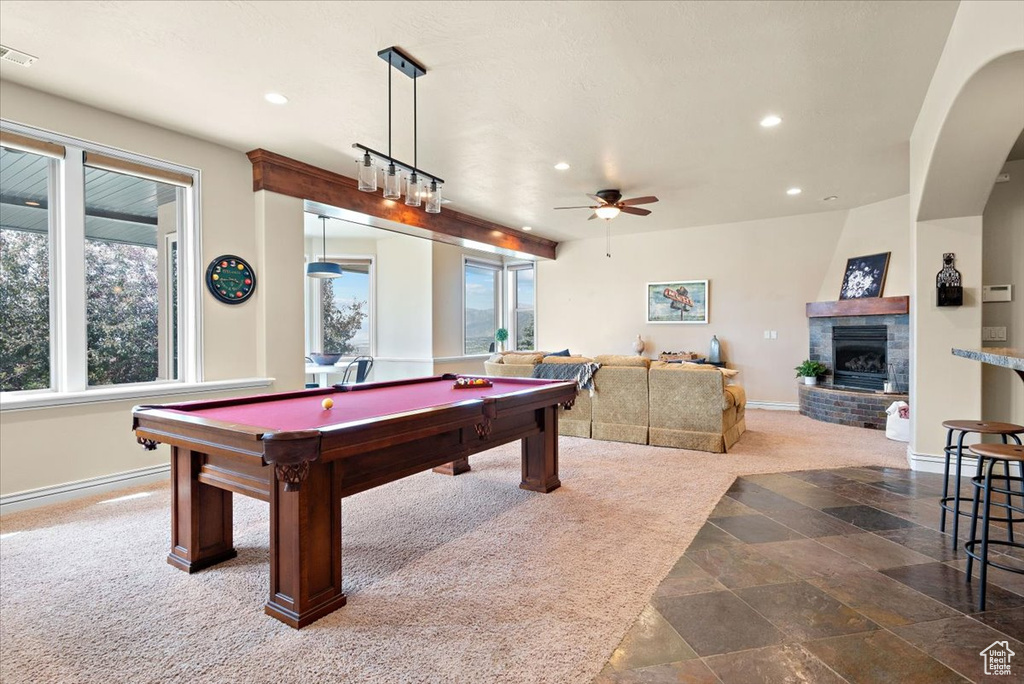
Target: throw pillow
[564,352]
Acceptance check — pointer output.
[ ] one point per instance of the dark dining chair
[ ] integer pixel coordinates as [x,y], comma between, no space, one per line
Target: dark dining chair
[362,365]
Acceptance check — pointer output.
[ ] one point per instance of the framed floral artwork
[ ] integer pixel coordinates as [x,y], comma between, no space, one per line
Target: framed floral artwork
[680,301]
[865,276]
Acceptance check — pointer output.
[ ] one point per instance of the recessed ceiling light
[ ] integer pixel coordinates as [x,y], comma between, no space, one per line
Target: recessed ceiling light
[794,191]
[562,166]
[830,198]
[527,228]
[32,204]
[275,98]
[771,120]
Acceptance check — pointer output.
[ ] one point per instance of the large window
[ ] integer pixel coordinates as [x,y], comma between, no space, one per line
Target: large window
[342,318]
[521,306]
[482,310]
[89,266]
[486,308]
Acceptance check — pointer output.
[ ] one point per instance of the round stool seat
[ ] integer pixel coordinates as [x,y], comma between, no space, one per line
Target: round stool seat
[1003,452]
[984,427]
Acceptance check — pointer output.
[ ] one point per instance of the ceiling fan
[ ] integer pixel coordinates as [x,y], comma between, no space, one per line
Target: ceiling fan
[610,203]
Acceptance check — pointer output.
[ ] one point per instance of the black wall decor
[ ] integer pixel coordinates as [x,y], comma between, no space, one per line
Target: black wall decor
[950,291]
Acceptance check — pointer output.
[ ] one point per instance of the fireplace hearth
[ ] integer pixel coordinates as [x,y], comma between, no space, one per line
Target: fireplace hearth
[859,356]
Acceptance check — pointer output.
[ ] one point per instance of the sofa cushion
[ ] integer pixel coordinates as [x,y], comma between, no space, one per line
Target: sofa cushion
[617,360]
[522,359]
[566,359]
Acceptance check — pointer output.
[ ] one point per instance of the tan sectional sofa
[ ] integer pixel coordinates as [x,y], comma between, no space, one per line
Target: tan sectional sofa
[620,406]
[691,407]
[685,406]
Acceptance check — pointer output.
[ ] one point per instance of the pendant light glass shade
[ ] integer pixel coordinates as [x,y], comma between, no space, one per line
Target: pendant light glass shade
[413,190]
[607,212]
[366,172]
[432,197]
[323,268]
[392,183]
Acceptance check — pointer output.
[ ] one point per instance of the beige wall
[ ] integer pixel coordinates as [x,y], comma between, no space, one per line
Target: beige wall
[761,275]
[404,308]
[967,120]
[873,228]
[943,386]
[45,447]
[1003,262]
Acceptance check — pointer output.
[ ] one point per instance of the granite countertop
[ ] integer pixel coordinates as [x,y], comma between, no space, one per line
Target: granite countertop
[1006,357]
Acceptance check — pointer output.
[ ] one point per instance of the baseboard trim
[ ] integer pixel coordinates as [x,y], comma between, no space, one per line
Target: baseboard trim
[19,501]
[774,405]
[934,463]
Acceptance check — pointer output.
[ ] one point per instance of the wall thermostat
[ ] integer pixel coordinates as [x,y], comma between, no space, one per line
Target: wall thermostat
[997,293]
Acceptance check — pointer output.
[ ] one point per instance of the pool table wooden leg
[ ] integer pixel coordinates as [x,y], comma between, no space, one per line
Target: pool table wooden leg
[540,455]
[456,467]
[200,516]
[305,547]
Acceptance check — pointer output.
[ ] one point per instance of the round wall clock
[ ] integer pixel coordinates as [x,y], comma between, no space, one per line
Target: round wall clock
[230,279]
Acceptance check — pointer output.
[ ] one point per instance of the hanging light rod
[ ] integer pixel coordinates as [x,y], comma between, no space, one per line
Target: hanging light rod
[384,157]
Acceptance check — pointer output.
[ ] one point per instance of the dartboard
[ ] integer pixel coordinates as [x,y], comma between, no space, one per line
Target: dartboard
[230,279]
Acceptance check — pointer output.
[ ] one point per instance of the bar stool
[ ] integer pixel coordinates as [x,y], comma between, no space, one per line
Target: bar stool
[988,455]
[965,427]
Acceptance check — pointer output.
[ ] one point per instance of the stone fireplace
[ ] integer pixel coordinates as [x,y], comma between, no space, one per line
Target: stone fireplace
[863,343]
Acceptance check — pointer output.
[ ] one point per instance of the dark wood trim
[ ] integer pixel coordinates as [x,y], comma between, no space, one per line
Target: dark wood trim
[286,176]
[869,306]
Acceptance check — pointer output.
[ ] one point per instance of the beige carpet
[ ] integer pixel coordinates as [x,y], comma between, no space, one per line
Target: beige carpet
[465,579]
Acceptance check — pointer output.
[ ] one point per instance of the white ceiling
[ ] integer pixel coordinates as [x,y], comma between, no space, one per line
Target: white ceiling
[649,97]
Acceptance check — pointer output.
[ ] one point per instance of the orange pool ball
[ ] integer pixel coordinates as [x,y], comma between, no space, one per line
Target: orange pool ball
[327,403]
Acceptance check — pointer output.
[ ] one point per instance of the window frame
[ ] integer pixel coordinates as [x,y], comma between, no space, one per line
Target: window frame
[511,269]
[314,313]
[499,296]
[66,234]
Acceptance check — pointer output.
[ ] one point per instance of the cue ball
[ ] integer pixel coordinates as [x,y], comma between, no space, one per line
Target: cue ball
[327,403]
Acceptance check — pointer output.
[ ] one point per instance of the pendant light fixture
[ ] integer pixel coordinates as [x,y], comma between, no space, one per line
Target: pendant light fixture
[323,268]
[416,189]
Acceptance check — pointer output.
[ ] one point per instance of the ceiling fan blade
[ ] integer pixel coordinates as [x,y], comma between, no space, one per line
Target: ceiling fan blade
[650,199]
[597,199]
[592,217]
[635,210]
[575,207]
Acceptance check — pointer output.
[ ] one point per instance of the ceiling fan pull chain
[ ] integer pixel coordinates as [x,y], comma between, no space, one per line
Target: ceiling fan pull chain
[608,238]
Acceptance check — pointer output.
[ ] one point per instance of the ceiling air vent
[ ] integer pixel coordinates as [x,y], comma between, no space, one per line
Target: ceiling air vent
[11,55]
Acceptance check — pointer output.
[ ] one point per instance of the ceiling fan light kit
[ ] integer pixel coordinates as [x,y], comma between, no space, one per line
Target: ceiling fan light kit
[415,188]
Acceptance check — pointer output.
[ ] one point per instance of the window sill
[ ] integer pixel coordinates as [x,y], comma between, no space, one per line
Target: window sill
[38,400]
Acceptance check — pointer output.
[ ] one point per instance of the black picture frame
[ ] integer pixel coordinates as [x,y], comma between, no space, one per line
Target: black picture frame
[865,276]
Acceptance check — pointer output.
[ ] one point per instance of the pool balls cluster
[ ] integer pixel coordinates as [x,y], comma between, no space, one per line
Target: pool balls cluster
[471,382]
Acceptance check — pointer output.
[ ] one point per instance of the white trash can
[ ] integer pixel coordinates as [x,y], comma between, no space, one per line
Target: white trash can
[897,428]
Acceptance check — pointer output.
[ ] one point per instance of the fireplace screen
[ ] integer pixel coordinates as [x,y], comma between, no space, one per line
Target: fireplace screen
[859,356]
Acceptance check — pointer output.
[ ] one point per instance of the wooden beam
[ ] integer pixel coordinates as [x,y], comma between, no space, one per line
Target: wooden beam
[286,176]
[869,306]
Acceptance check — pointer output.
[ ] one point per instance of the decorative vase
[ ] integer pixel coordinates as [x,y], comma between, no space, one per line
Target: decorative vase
[810,380]
[638,345]
[715,352]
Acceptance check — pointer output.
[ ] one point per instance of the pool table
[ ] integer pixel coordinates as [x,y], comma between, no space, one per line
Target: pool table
[303,459]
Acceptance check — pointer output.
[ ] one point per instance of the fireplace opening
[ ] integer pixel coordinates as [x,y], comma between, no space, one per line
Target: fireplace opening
[858,354]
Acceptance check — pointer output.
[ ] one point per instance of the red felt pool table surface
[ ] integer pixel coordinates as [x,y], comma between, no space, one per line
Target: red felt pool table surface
[306,412]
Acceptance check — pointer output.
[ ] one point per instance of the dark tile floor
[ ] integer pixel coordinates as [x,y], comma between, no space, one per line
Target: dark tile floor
[824,576]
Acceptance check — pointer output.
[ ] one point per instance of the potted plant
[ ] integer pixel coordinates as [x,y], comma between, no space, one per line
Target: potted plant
[810,370]
[501,335]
